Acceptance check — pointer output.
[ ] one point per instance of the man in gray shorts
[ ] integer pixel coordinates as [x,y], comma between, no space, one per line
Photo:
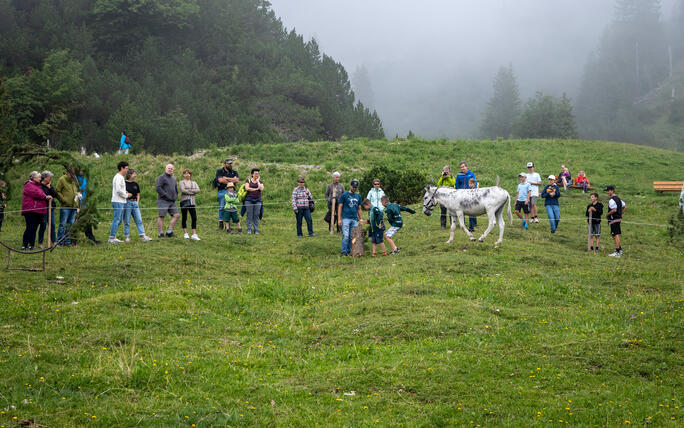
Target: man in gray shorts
[167,191]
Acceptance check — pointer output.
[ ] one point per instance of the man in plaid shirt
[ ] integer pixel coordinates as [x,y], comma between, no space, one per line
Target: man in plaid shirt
[300,204]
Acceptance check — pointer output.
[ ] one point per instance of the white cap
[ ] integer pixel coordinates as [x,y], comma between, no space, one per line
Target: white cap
[522,174]
[336,174]
[530,164]
[552,177]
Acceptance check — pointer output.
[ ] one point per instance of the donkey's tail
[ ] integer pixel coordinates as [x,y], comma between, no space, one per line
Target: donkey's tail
[510,216]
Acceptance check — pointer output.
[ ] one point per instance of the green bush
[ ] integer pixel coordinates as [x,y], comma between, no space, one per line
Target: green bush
[401,186]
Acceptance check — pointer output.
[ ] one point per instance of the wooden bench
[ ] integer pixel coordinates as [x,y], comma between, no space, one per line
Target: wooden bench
[577,186]
[668,186]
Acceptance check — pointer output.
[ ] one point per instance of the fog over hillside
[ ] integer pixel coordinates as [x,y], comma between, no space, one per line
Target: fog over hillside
[431,63]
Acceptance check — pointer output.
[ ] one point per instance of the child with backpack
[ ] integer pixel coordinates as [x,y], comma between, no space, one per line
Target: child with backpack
[393,213]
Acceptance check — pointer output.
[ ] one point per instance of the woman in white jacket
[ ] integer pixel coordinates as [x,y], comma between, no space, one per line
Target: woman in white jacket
[375,194]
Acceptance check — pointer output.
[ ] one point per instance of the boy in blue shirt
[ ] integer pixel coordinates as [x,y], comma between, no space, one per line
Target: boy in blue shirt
[522,201]
[348,215]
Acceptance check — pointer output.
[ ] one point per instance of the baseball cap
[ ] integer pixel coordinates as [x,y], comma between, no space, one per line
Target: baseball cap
[530,164]
[354,183]
[611,187]
[522,174]
[228,160]
[552,177]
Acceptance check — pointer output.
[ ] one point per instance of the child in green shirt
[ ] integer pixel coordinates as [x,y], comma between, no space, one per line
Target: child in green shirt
[377,227]
[393,213]
[230,209]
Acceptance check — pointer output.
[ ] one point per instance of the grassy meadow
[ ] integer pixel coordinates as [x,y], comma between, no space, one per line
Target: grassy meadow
[239,330]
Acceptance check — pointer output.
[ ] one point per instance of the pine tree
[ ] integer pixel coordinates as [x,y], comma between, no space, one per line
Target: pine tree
[362,87]
[503,108]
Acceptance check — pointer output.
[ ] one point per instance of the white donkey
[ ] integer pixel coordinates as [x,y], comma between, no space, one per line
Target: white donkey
[473,202]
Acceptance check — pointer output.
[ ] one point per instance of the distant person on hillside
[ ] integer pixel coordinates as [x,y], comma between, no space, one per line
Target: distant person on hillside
[375,194]
[564,178]
[377,227]
[445,180]
[522,202]
[69,201]
[582,181]
[534,180]
[3,204]
[462,180]
[230,213]
[49,190]
[124,143]
[551,193]
[34,204]
[595,208]
[393,213]
[616,207]
[348,215]
[132,208]
[167,193]
[224,175]
[119,198]
[253,204]
[333,191]
[301,199]
[188,189]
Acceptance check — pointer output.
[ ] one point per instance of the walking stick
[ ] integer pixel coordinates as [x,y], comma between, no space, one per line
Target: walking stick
[49,224]
[333,224]
[589,233]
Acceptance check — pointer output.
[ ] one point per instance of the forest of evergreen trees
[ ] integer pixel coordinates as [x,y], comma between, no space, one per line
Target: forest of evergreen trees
[176,74]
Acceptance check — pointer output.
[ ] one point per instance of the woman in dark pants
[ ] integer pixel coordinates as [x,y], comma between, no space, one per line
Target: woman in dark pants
[46,185]
[34,204]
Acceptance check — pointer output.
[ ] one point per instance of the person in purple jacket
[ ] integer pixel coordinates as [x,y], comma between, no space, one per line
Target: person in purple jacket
[34,203]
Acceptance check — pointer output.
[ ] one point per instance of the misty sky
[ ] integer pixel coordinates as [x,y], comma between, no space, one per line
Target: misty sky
[431,62]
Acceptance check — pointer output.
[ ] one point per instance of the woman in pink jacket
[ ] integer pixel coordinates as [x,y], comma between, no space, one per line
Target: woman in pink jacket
[33,207]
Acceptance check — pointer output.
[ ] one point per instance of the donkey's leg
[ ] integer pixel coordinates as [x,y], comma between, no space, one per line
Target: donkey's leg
[453,228]
[491,218]
[463,226]
[500,219]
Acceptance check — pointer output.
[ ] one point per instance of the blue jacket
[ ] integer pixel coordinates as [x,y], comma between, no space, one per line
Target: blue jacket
[122,143]
[548,199]
[463,179]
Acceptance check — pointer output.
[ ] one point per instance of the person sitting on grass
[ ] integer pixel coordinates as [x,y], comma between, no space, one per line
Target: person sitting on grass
[564,178]
[522,201]
[393,212]
[595,208]
[230,208]
[377,227]
[582,181]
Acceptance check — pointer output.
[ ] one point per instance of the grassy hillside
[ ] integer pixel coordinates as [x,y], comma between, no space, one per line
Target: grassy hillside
[272,330]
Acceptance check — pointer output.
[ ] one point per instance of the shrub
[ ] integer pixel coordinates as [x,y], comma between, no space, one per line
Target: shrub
[401,186]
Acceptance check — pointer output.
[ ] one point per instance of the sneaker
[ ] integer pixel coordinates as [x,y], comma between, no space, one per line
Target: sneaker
[395,251]
[127,239]
[161,235]
[170,235]
[194,237]
[114,241]
[615,254]
[596,250]
[30,248]
[220,226]
[536,220]
[23,248]
[526,225]
[239,230]
[186,236]
[41,246]
[312,235]
[145,238]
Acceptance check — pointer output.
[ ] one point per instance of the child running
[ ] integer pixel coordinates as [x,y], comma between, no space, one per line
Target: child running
[596,210]
[393,212]
[377,227]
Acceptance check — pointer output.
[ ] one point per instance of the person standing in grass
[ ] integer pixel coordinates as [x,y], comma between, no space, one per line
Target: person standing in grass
[595,208]
[462,180]
[124,143]
[69,199]
[393,213]
[133,208]
[522,201]
[188,189]
[230,208]
[377,227]
[167,191]
[119,198]
[34,204]
[254,186]
[348,215]
[551,193]
[333,191]
[616,207]
[375,195]
[224,175]
[445,180]
[534,180]
[301,198]
[46,186]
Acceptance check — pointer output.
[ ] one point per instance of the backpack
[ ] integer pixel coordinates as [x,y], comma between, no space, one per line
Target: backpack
[242,192]
[128,140]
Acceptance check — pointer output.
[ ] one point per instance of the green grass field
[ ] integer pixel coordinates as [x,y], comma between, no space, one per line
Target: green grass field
[274,330]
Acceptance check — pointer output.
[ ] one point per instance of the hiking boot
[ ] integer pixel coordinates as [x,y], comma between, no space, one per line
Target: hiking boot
[220,227]
[161,235]
[170,235]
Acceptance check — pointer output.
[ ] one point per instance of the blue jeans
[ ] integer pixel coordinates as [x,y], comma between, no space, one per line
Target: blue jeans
[67,216]
[347,225]
[117,217]
[304,213]
[133,209]
[553,212]
[221,196]
[472,222]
